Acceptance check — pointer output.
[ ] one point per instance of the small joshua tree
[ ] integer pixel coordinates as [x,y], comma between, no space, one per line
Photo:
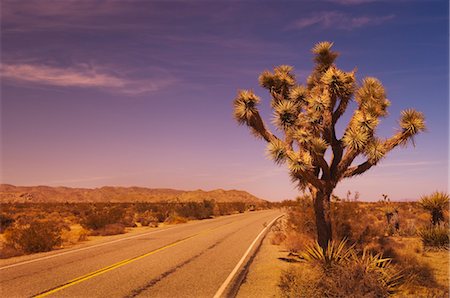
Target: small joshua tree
[435,203]
[306,117]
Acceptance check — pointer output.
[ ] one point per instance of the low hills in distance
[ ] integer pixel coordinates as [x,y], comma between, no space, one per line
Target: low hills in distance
[47,194]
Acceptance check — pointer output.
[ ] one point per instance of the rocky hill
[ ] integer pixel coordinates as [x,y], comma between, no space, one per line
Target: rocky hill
[42,194]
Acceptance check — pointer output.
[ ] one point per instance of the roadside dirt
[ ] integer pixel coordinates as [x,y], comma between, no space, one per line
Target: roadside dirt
[264,272]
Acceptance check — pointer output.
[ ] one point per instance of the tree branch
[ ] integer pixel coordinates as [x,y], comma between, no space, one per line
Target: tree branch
[358,170]
[257,124]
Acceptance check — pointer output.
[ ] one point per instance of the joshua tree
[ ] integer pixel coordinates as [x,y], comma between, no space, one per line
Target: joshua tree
[435,203]
[306,117]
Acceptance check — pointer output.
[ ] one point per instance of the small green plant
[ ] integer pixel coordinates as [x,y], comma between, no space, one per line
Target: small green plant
[435,203]
[37,236]
[435,236]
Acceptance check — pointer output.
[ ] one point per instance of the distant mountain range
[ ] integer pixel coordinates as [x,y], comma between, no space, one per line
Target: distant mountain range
[43,194]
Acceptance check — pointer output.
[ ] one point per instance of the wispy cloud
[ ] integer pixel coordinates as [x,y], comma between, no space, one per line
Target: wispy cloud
[339,20]
[82,76]
[351,2]
[412,164]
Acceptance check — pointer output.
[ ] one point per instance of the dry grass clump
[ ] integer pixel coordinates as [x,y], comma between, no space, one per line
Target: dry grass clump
[435,236]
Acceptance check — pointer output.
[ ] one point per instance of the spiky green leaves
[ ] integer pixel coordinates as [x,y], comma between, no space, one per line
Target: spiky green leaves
[412,122]
[375,151]
[355,138]
[298,94]
[365,121]
[281,79]
[372,98]
[318,145]
[339,83]
[323,53]
[276,150]
[285,114]
[300,162]
[245,106]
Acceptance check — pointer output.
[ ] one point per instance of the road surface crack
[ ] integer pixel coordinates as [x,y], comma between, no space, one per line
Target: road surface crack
[163,275]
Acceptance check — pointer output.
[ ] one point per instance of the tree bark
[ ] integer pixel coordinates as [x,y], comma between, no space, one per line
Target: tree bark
[323,218]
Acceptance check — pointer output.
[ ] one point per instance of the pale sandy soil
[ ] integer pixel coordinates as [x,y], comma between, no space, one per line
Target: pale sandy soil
[264,272]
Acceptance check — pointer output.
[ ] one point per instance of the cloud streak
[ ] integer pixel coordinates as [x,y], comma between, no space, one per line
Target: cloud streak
[338,20]
[81,76]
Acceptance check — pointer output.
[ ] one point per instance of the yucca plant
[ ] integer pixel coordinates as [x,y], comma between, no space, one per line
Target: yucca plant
[389,276]
[435,203]
[306,115]
[335,254]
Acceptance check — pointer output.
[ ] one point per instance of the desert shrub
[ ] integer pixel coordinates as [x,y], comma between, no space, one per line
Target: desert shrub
[99,217]
[277,238]
[109,229]
[404,256]
[300,282]
[277,233]
[435,236]
[37,236]
[296,242]
[5,222]
[147,219]
[301,218]
[128,219]
[175,219]
[353,222]
[196,210]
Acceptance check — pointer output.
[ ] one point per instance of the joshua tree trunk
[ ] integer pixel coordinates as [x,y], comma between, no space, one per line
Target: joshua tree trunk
[323,217]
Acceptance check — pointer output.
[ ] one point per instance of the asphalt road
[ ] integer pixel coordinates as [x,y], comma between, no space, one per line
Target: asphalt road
[187,260]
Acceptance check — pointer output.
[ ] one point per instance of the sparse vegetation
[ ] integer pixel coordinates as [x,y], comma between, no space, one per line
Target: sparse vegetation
[27,227]
[366,239]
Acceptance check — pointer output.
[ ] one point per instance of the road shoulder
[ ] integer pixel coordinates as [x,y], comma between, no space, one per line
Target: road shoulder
[264,272]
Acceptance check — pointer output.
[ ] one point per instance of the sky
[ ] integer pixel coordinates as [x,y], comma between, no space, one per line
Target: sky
[139,93]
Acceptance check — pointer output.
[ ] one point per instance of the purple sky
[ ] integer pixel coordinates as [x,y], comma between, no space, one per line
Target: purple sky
[140,92]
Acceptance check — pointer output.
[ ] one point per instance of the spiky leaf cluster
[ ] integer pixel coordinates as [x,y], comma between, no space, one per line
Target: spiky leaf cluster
[245,106]
[412,122]
[276,150]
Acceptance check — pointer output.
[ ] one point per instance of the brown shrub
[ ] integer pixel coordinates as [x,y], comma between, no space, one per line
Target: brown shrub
[300,282]
[296,242]
[277,238]
[37,236]
[109,229]
[175,219]
[148,219]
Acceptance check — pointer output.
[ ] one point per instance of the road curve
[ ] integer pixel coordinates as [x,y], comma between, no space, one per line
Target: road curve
[188,260]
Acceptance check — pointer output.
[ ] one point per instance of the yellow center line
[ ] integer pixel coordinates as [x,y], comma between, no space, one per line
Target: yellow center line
[120,264]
